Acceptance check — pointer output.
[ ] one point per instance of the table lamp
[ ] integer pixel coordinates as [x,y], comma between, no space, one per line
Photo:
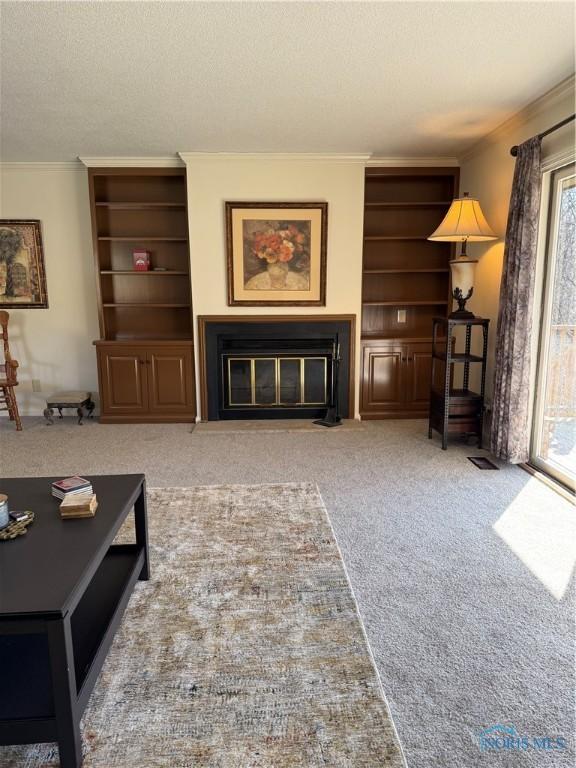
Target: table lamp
[464,222]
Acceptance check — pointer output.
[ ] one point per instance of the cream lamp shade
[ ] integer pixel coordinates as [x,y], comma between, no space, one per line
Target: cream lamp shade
[464,222]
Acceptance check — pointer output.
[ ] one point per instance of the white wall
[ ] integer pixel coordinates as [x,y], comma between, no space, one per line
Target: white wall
[54,345]
[215,179]
[487,173]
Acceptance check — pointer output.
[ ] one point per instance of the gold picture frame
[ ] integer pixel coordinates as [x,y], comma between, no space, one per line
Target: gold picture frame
[276,254]
[22,271]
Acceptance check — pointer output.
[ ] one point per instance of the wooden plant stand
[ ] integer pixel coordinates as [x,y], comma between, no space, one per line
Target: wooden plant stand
[457,411]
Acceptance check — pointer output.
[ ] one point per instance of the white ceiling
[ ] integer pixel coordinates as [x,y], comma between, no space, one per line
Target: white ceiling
[389,78]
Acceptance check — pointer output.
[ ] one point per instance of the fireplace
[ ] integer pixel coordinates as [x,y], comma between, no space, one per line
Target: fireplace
[263,368]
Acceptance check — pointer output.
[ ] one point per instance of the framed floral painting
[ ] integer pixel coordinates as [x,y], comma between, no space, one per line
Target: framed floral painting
[22,273]
[276,253]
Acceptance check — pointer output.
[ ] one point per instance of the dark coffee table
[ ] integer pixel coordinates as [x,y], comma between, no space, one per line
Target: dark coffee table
[63,590]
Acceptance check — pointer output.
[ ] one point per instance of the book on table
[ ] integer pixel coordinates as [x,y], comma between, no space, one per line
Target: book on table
[71,485]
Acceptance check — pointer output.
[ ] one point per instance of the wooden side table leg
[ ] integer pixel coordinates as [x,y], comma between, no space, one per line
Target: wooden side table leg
[432,381]
[445,415]
[12,406]
[64,692]
[80,413]
[8,401]
[15,411]
[141,525]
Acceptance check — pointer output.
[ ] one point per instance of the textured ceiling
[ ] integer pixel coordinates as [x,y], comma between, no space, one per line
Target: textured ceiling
[390,78]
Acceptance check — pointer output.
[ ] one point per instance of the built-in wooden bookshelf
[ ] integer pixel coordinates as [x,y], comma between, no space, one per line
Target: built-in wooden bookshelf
[141,208]
[144,209]
[405,283]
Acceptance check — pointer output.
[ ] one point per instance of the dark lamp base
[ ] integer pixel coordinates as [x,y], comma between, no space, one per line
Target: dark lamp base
[461,314]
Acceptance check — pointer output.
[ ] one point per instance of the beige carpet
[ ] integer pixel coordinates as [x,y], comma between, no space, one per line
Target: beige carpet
[456,571]
[244,650]
[239,426]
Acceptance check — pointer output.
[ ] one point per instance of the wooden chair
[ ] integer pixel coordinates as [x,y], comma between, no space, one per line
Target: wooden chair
[8,379]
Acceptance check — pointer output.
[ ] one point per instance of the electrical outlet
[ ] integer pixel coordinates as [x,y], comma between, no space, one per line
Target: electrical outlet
[401,315]
[36,385]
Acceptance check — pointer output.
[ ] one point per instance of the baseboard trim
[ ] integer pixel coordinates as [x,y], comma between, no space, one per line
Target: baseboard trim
[551,482]
[188,418]
[388,415]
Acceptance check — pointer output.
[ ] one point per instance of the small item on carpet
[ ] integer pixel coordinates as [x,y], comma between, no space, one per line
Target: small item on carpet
[79,400]
[482,462]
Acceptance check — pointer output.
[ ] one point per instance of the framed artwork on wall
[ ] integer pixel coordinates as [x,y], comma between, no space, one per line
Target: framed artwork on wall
[276,253]
[22,272]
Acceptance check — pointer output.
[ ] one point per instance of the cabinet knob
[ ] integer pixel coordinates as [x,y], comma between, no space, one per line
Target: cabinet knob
[141,361]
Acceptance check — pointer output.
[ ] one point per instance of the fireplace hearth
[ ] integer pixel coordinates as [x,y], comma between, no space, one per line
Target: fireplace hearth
[273,368]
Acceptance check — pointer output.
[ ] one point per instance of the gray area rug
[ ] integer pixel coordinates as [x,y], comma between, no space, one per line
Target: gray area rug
[244,650]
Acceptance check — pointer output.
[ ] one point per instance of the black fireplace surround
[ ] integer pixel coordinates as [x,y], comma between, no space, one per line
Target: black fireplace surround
[274,369]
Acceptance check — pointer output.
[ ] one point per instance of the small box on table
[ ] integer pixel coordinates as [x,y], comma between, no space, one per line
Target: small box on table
[79,505]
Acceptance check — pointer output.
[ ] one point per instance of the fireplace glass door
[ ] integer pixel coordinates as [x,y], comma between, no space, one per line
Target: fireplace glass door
[268,382]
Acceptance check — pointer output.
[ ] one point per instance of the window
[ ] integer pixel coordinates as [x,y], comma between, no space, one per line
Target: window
[554,423]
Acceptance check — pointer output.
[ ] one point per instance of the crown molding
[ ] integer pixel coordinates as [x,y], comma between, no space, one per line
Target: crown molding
[170,161]
[515,121]
[16,165]
[558,159]
[411,162]
[295,157]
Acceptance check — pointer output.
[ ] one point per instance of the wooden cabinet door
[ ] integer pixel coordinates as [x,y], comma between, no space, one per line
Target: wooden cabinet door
[123,382]
[382,377]
[170,379]
[418,374]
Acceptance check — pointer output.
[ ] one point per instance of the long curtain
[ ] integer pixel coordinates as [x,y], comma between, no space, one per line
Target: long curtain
[510,433]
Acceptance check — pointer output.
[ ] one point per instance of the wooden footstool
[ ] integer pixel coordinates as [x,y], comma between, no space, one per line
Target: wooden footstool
[79,400]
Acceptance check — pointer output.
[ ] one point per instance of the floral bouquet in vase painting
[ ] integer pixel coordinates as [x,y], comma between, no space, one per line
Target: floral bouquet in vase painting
[276,255]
